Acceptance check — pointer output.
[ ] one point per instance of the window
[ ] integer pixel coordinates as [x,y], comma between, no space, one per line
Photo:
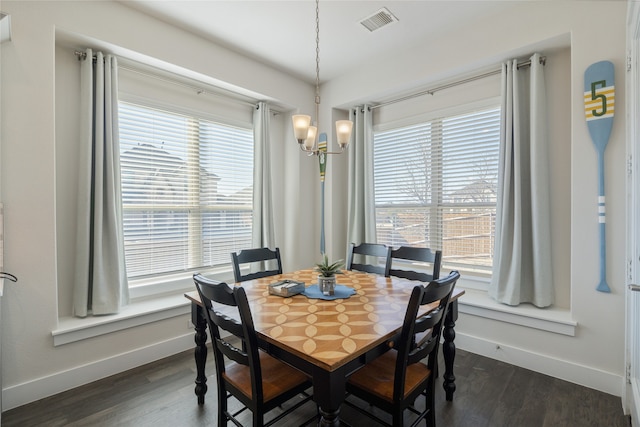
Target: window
[436,185]
[186,190]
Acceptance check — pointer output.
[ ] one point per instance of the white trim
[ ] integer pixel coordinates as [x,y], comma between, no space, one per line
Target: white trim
[557,320]
[152,299]
[491,102]
[177,283]
[586,376]
[40,388]
[631,396]
[71,329]
[632,409]
[164,106]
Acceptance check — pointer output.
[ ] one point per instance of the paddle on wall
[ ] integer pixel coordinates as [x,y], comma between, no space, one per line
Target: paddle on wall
[598,107]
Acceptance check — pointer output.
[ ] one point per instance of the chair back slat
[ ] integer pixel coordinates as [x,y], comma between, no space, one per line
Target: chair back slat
[379,251]
[435,291]
[423,350]
[367,268]
[219,292]
[227,323]
[232,352]
[429,321]
[265,256]
[259,275]
[415,254]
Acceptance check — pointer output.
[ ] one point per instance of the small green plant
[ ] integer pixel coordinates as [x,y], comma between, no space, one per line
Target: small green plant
[328,270]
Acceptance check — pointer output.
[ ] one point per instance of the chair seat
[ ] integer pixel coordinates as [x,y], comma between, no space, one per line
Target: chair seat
[277,377]
[377,376]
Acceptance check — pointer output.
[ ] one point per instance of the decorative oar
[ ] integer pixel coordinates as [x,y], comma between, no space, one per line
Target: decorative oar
[322,159]
[599,97]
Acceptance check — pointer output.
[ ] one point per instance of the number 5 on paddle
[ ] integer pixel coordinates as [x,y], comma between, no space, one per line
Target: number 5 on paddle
[599,97]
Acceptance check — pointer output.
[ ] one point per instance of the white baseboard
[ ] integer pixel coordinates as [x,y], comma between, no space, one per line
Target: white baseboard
[596,379]
[40,388]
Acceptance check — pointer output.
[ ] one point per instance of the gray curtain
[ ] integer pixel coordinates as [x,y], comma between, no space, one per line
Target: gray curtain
[522,258]
[100,285]
[263,234]
[361,225]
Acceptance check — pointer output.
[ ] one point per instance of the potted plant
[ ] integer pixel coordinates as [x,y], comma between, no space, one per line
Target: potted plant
[327,276]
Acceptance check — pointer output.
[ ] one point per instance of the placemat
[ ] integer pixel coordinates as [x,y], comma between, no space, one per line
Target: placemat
[341,291]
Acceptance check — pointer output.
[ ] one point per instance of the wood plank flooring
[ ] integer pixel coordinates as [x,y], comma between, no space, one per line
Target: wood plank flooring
[489,394]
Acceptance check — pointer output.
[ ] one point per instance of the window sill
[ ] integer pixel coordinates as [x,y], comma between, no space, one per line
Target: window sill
[478,303]
[72,329]
[474,302]
[152,300]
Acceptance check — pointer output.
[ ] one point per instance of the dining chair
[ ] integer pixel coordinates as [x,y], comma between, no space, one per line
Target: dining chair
[393,381]
[259,381]
[267,257]
[380,252]
[408,255]
[404,256]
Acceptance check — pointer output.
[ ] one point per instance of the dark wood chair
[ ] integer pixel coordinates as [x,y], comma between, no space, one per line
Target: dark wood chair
[404,256]
[381,252]
[393,381]
[260,382]
[270,259]
[407,255]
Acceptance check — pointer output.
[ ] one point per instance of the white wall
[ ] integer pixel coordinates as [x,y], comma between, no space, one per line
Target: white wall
[37,127]
[595,356]
[30,142]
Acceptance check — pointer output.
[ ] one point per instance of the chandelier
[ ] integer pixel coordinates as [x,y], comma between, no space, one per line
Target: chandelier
[305,133]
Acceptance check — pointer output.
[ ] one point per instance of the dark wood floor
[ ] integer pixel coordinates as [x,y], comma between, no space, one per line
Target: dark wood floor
[489,394]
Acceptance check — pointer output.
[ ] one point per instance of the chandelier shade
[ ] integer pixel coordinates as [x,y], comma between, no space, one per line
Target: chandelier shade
[310,141]
[301,123]
[343,131]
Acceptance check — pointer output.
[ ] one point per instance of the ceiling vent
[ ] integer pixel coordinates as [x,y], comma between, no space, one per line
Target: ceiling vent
[378,20]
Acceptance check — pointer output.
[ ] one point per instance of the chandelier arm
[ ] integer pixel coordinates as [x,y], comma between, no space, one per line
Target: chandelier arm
[335,152]
[311,152]
[317,152]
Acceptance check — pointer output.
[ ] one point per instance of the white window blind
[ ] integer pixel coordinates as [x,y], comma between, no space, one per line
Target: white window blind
[436,186]
[186,190]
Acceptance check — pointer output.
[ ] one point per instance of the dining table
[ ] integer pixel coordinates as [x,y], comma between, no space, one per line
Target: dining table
[328,336]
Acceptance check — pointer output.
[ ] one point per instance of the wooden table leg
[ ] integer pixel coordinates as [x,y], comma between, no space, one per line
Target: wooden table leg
[328,393]
[200,352]
[449,349]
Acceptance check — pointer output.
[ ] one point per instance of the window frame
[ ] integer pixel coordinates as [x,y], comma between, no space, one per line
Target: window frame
[475,277]
[164,283]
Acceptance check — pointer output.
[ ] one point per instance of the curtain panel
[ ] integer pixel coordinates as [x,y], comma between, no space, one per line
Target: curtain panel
[100,285]
[262,227]
[522,258]
[361,225]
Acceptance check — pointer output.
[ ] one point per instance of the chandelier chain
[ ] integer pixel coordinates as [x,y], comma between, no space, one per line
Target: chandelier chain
[317,62]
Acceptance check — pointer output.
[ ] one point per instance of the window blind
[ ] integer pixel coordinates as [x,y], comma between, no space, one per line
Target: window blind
[186,190]
[436,186]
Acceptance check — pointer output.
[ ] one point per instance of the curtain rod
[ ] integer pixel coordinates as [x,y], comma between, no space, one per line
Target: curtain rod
[543,61]
[199,90]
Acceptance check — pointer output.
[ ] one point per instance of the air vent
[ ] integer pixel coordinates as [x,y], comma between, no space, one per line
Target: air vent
[378,20]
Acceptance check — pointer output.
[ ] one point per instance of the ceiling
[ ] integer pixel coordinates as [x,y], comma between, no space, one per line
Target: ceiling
[282,33]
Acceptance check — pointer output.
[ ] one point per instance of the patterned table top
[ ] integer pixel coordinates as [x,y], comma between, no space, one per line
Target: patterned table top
[329,333]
